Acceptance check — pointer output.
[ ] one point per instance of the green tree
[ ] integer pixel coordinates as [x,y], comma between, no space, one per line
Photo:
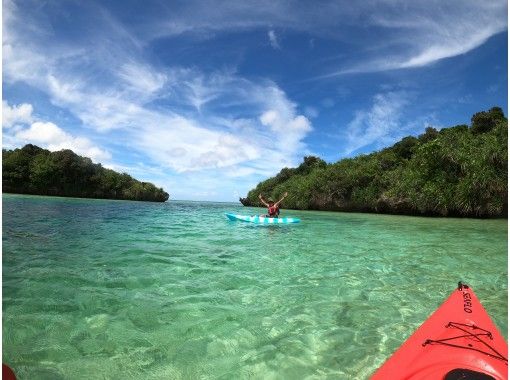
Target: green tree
[34,170]
[485,121]
[457,171]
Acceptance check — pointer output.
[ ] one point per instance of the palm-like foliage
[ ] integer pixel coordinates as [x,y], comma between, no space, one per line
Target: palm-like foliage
[457,171]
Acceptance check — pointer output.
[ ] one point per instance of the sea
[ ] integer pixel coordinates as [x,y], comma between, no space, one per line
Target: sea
[102,289]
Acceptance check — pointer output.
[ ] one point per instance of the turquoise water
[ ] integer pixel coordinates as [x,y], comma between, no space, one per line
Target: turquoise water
[124,290]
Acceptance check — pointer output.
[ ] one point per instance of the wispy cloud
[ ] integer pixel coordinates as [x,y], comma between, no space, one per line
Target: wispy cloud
[380,125]
[384,35]
[142,79]
[386,121]
[494,88]
[421,33]
[186,133]
[208,126]
[273,40]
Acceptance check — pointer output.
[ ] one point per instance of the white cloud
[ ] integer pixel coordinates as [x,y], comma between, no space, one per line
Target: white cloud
[268,117]
[405,33]
[21,113]
[142,78]
[50,136]
[422,33]
[271,132]
[379,125]
[283,125]
[226,131]
[44,133]
[183,145]
[196,92]
[176,136]
[429,51]
[273,40]
[107,82]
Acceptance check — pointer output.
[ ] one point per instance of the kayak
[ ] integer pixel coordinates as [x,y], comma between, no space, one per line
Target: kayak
[7,373]
[458,341]
[261,219]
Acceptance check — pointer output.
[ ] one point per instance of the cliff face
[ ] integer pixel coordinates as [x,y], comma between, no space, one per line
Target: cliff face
[32,170]
[245,202]
[457,171]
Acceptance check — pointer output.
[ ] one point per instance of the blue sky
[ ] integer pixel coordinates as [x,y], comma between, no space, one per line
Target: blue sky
[207,98]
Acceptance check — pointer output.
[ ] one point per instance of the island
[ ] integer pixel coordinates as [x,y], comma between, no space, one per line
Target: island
[460,171]
[37,171]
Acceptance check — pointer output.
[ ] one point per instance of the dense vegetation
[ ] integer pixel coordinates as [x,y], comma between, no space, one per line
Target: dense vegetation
[457,171]
[32,170]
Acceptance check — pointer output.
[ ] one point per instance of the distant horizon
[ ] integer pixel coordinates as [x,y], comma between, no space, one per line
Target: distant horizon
[120,200]
[208,99]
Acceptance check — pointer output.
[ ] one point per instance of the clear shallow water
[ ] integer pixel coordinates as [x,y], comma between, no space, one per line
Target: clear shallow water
[113,289]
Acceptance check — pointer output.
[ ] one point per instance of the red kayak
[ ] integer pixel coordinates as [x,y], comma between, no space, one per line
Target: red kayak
[458,341]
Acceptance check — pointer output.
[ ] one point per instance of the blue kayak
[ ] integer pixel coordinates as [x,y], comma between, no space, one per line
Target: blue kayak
[261,219]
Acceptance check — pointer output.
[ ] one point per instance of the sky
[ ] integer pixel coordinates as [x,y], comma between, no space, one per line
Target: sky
[208,98]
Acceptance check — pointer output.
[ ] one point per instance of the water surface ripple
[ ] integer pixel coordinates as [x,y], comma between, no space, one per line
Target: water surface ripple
[125,290]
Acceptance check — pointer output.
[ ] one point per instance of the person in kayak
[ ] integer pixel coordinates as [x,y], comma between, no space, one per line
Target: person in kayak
[273,209]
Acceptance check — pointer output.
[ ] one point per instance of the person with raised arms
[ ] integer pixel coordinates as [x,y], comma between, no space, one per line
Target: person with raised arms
[273,209]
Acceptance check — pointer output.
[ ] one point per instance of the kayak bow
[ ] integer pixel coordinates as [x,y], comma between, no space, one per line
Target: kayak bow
[458,341]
